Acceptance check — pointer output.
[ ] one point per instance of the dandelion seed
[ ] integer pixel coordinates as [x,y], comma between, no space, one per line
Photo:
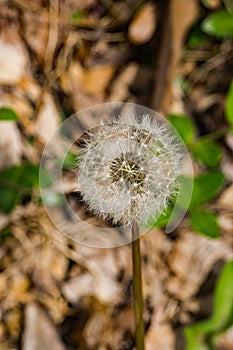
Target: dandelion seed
[127,171]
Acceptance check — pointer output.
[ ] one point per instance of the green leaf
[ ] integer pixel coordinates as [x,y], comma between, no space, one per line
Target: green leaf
[16,181]
[162,219]
[35,176]
[69,162]
[209,3]
[9,189]
[77,16]
[5,234]
[178,204]
[205,187]
[229,105]
[207,152]
[183,84]
[30,175]
[53,199]
[8,114]
[193,342]
[184,127]
[229,5]
[196,37]
[219,24]
[204,222]
[222,315]
[45,177]
[185,191]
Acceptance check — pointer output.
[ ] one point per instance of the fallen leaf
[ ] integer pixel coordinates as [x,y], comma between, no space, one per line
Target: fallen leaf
[120,86]
[48,118]
[229,140]
[160,337]
[50,267]
[125,320]
[3,286]
[11,143]
[78,287]
[39,332]
[97,325]
[93,80]
[13,322]
[55,305]
[13,63]
[96,79]
[36,28]
[18,290]
[183,15]
[225,340]
[21,106]
[30,88]
[2,332]
[79,4]
[186,261]
[226,223]
[227,166]
[212,4]
[143,25]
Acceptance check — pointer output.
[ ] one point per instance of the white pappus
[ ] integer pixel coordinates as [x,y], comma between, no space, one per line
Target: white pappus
[128,169]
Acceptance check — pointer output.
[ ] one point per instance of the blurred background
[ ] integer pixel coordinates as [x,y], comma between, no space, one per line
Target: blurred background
[58,57]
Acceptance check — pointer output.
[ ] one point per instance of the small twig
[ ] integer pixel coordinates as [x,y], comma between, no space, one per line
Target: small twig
[31,6]
[216,135]
[121,12]
[137,287]
[53,36]
[229,5]
[162,57]
[214,62]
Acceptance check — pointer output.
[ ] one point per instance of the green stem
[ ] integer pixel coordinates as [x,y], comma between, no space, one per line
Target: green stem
[137,288]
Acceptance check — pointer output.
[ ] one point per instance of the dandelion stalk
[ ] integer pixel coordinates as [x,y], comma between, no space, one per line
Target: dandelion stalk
[127,173]
[137,288]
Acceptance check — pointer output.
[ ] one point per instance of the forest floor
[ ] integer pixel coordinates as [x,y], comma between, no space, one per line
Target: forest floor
[56,58]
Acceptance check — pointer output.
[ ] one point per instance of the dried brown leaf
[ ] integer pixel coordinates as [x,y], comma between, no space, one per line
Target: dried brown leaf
[143,25]
[191,260]
[39,333]
[48,118]
[10,142]
[160,337]
[13,62]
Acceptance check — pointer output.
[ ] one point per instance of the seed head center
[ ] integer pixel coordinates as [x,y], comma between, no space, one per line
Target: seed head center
[127,170]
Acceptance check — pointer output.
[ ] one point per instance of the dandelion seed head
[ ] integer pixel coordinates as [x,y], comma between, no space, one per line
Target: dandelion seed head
[127,171]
